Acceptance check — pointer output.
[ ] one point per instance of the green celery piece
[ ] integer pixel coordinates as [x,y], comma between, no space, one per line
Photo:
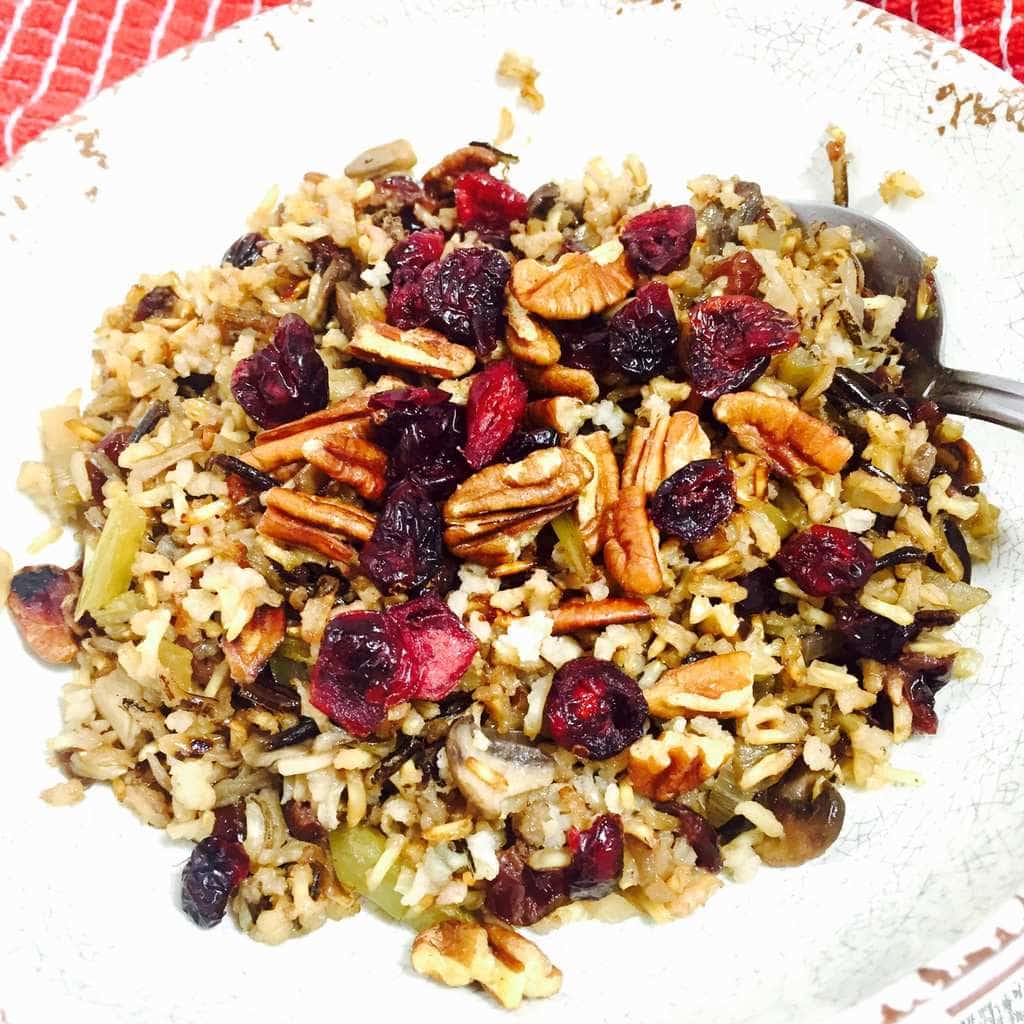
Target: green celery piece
[178,662]
[108,573]
[573,546]
[776,516]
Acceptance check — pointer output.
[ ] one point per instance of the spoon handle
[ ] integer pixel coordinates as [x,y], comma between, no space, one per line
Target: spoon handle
[980,396]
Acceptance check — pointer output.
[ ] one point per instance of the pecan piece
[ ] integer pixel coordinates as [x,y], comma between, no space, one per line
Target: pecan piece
[529,341]
[420,350]
[631,551]
[721,686]
[572,616]
[508,966]
[39,601]
[793,441]
[329,513]
[601,492]
[562,414]
[663,767]
[350,460]
[657,451]
[578,284]
[252,648]
[439,181]
[562,380]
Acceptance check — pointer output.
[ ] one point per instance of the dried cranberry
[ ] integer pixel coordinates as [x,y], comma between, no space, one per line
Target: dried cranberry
[643,335]
[741,271]
[496,404]
[465,295]
[397,194]
[216,867]
[825,560]
[323,250]
[761,593]
[406,551]
[594,709]
[229,821]
[439,647]
[694,500]
[584,344]
[284,381]
[525,441]
[424,433]
[920,698]
[659,241]
[244,251]
[733,340]
[486,204]
[410,257]
[597,858]
[156,300]
[698,832]
[520,895]
[114,444]
[361,671]
[866,635]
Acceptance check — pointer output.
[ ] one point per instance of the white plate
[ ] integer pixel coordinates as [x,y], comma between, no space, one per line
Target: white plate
[161,172]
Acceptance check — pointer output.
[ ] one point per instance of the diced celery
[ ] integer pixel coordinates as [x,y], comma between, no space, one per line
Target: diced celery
[294,648]
[109,572]
[778,520]
[573,546]
[178,662]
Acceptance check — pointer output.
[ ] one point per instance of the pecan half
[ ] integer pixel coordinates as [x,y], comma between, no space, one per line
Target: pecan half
[420,350]
[793,441]
[40,601]
[631,552]
[507,965]
[663,767]
[529,341]
[329,513]
[576,615]
[562,380]
[350,460]
[561,413]
[601,492]
[577,285]
[253,647]
[295,533]
[439,181]
[657,451]
[494,514]
[721,686]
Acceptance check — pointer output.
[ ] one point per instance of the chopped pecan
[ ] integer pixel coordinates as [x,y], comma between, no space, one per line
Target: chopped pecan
[421,350]
[601,492]
[508,966]
[494,514]
[253,647]
[581,614]
[562,414]
[329,513]
[631,551]
[663,767]
[793,441]
[350,460]
[529,341]
[562,380]
[439,181]
[577,285]
[721,686]
[384,159]
[40,601]
[657,451]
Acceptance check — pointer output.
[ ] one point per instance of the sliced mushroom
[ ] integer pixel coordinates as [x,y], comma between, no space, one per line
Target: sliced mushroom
[810,810]
[385,159]
[37,602]
[490,769]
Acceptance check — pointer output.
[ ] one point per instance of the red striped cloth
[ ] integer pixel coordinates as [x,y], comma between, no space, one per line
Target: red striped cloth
[56,53]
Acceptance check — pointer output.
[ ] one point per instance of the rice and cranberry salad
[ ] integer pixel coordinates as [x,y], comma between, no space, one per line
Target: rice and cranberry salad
[500,559]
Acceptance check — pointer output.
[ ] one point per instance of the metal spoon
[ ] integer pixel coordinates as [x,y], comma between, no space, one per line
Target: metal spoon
[893,265]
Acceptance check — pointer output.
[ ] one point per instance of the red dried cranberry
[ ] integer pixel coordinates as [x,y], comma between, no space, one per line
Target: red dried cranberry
[244,251]
[410,257]
[229,821]
[594,709]
[694,500]
[698,832]
[284,381]
[825,560]
[406,551]
[465,295]
[659,241]
[216,867]
[597,858]
[761,593]
[486,204]
[424,432]
[439,647]
[733,340]
[156,300]
[520,895]
[406,306]
[920,699]
[114,444]
[496,404]
[643,335]
[397,194]
[584,344]
[742,273]
[361,671]
[526,441]
[866,635]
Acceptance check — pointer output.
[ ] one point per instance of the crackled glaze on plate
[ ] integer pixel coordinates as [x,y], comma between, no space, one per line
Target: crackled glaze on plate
[162,171]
